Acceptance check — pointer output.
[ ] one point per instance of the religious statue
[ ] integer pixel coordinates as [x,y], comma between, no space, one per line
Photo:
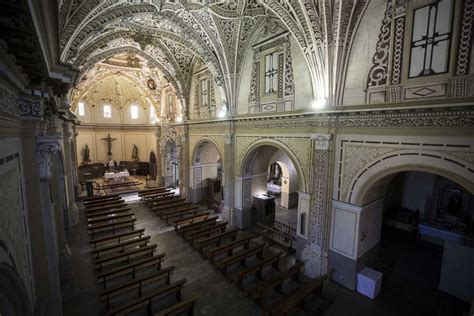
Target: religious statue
[135,152]
[151,84]
[86,154]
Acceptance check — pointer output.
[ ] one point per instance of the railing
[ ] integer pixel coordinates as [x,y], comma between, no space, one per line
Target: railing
[275,235]
[289,230]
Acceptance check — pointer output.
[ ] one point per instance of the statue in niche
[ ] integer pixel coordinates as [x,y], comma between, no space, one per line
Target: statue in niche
[275,174]
[151,84]
[86,154]
[135,152]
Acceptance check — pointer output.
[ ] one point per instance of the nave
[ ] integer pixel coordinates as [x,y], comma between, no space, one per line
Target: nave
[213,287]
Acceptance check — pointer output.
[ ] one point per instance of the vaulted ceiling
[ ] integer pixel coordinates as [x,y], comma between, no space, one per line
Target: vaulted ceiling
[172,35]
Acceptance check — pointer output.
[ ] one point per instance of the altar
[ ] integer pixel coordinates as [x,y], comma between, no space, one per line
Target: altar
[273,188]
[117,176]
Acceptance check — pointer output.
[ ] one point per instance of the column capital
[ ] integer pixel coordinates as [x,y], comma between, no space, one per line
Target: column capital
[45,146]
[321,141]
[227,138]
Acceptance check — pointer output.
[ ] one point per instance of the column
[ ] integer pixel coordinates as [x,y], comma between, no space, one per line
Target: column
[228,210]
[41,221]
[70,168]
[160,155]
[183,162]
[315,254]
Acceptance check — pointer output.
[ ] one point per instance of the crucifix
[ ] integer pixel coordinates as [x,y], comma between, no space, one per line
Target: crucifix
[109,141]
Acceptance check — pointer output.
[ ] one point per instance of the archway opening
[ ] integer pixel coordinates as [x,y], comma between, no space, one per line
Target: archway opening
[417,228]
[207,175]
[270,187]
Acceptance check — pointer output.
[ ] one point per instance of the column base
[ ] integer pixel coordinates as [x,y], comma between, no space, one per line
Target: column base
[316,264]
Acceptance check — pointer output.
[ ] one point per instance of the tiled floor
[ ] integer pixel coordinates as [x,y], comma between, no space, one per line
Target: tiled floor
[220,297]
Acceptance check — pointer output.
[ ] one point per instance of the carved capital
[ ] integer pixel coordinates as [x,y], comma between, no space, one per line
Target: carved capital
[228,139]
[45,146]
[321,141]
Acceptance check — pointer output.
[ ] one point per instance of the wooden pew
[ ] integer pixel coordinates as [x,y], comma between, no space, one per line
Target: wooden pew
[299,297]
[126,256]
[164,274]
[258,290]
[199,244]
[120,247]
[108,219]
[241,256]
[206,232]
[96,198]
[130,269]
[191,219]
[194,226]
[181,307]
[257,269]
[142,194]
[228,248]
[165,200]
[148,299]
[168,207]
[180,212]
[113,227]
[102,202]
[116,239]
[157,196]
[109,212]
[145,191]
[105,207]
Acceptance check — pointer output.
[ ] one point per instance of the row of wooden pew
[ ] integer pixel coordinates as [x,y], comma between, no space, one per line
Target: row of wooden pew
[129,272]
[222,247]
[167,206]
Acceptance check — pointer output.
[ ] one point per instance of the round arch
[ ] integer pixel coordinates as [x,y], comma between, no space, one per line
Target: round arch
[13,295]
[302,181]
[198,147]
[448,167]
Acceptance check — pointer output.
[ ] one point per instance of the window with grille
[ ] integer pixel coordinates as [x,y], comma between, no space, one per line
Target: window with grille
[271,73]
[431,39]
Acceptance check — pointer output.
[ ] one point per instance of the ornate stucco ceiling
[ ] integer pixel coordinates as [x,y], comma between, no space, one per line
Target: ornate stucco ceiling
[171,36]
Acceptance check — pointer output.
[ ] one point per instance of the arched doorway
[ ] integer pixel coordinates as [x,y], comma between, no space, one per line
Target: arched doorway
[270,184]
[207,175]
[171,165]
[416,227]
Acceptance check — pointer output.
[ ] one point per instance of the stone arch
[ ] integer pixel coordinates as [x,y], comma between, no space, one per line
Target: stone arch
[247,156]
[208,169]
[13,295]
[437,163]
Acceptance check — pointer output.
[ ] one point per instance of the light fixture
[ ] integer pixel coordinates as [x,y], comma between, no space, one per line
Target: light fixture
[179,119]
[319,104]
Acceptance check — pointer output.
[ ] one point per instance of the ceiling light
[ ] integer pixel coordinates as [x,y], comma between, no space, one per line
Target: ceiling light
[222,113]
[179,119]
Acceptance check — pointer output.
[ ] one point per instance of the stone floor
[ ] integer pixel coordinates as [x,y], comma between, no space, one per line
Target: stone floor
[284,215]
[219,297]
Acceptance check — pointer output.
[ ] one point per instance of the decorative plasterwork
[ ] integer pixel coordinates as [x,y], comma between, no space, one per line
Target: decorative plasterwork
[465,38]
[45,147]
[379,70]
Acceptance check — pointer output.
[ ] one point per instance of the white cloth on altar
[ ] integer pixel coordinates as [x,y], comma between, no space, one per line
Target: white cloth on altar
[113,175]
[273,188]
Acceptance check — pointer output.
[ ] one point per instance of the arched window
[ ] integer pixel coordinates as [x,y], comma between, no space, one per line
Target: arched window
[107,111]
[134,112]
[81,111]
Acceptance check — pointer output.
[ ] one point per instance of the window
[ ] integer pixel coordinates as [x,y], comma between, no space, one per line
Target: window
[134,112]
[81,109]
[170,104]
[205,92]
[431,39]
[152,113]
[107,111]
[271,73]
